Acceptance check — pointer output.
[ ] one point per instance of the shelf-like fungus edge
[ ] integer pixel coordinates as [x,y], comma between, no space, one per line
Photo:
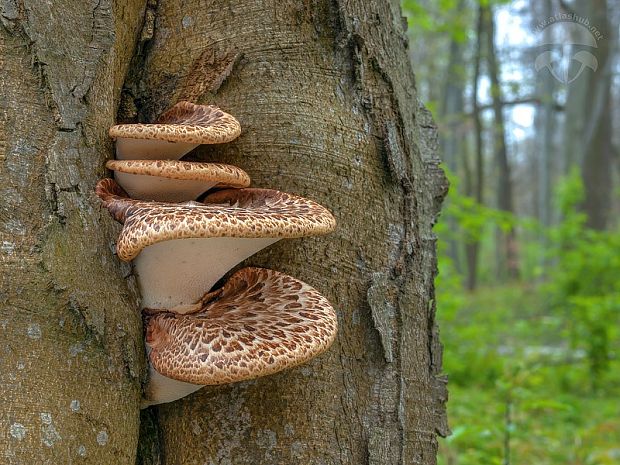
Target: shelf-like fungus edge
[177,131]
[174,180]
[259,323]
[181,250]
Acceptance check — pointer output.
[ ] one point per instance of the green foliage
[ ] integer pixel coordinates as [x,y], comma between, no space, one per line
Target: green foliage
[534,363]
[440,17]
[447,18]
[563,429]
[472,219]
[544,349]
[584,286]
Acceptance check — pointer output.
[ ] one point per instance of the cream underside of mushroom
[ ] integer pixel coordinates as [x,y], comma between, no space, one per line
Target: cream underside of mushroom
[161,189]
[151,149]
[174,275]
[161,389]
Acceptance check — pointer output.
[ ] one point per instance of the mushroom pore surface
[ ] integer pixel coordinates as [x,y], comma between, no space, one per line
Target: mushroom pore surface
[173,180]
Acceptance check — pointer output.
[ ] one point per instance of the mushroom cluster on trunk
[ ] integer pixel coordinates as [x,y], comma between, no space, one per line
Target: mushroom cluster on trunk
[260,321]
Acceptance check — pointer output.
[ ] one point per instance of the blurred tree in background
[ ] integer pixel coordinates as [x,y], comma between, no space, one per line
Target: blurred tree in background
[524,93]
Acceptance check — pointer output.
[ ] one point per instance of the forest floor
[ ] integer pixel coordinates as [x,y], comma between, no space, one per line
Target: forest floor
[521,388]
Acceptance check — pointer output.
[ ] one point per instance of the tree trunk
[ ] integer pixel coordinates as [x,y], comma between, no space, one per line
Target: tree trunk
[546,119]
[451,113]
[472,247]
[71,351]
[452,106]
[545,122]
[325,96]
[587,129]
[598,155]
[508,263]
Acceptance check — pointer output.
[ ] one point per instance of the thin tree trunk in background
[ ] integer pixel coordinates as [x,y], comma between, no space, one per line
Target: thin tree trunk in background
[326,98]
[507,246]
[587,129]
[473,246]
[598,155]
[452,107]
[71,336]
[576,113]
[545,117]
[546,127]
[451,116]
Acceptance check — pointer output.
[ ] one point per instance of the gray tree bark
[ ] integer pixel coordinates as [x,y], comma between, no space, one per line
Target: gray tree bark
[326,99]
[71,351]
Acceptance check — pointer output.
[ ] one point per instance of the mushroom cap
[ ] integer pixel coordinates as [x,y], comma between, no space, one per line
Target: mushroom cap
[246,213]
[184,122]
[260,322]
[224,175]
[115,199]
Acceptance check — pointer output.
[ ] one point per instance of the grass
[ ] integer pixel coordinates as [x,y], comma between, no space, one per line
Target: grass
[505,349]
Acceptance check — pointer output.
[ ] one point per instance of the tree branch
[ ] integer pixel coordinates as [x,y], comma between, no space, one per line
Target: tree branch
[518,101]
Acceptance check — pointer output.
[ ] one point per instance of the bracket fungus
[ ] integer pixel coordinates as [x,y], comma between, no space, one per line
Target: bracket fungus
[174,180]
[260,322]
[181,250]
[177,131]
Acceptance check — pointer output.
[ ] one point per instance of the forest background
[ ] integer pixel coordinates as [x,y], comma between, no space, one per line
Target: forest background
[526,95]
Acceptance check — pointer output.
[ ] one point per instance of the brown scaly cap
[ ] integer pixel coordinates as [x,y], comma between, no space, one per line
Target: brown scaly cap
[249,213]
[259,323]
[185,122]
[115,199]
[225,175]
[120,205]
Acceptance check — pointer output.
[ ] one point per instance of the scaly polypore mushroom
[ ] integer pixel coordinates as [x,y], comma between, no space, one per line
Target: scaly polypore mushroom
[176,132]
[260,322]
[174,180]
[181,250]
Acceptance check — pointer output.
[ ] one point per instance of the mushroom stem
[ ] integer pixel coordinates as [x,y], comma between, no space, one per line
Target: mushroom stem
[132,149]
[175,274]
[161,389]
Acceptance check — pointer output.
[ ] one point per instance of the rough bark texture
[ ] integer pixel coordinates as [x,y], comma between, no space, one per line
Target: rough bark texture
[325,95]
[326,99]
[70,336]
